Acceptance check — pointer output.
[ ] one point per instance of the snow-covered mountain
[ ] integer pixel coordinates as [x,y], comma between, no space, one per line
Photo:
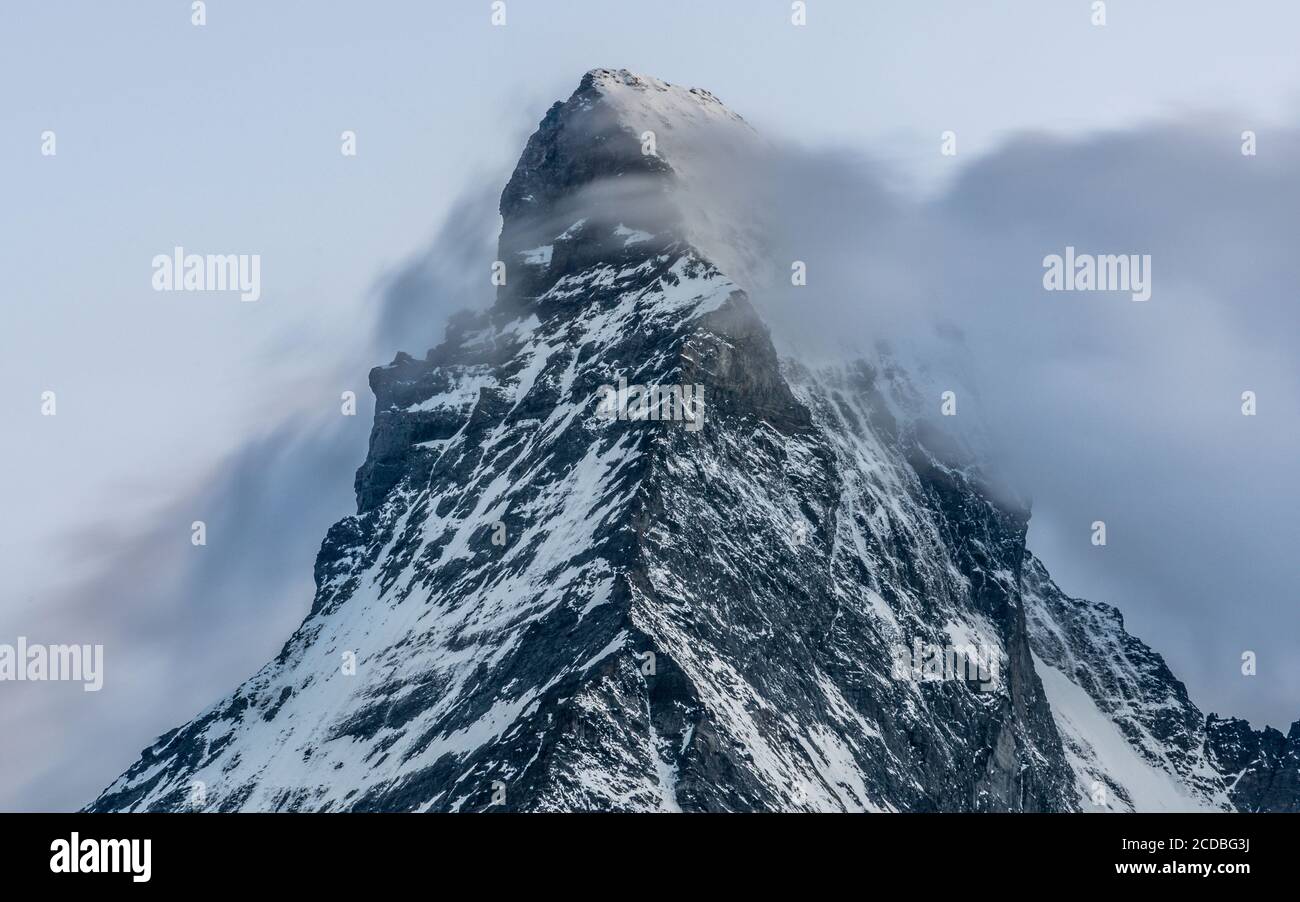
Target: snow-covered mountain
[540,606]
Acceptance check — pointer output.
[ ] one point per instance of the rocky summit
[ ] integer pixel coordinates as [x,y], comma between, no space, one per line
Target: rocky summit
[542,606]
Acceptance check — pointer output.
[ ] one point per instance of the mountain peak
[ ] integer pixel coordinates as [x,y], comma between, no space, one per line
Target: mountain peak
[626,152]
[548,601]
[641,91]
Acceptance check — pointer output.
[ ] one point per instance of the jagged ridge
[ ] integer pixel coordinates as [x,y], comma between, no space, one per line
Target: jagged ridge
[676,619]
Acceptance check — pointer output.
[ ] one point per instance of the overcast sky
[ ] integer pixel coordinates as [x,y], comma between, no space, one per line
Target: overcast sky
[225,139]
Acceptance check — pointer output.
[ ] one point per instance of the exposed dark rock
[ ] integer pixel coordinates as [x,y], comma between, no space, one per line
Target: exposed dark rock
[547,609]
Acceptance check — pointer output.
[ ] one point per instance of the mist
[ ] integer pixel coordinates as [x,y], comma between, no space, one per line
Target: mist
[1093,405]
[183,625]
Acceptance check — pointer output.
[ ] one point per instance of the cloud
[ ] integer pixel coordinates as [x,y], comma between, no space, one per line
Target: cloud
[1095,406]
[183,625]
[1098,407]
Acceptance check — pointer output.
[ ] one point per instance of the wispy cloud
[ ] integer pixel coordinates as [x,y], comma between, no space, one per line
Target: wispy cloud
[181,624]
[1098,407]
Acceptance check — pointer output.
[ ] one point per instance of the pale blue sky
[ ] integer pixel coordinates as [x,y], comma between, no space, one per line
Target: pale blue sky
[225,139]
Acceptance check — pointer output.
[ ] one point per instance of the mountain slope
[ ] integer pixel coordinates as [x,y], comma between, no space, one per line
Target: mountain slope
[1134,739]
[539,606]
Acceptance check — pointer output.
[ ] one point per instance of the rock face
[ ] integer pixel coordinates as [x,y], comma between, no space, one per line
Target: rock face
[1262,769]
[539,606]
